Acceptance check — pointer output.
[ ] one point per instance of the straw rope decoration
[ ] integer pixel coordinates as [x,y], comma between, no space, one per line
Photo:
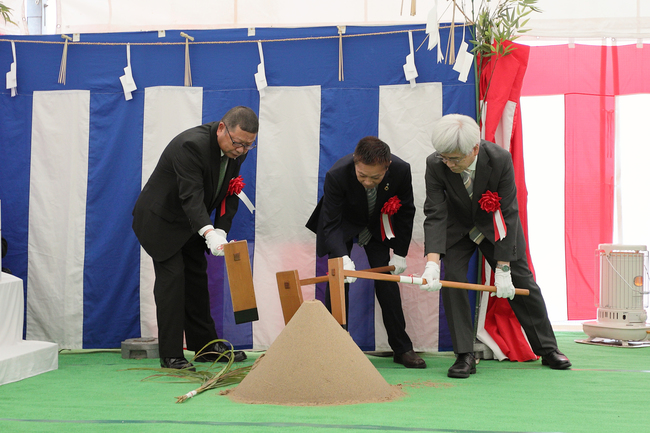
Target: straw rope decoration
[188,76]
[64,60]
[188,70]
[341,31]
[212,377]
[451,56]
[311,38]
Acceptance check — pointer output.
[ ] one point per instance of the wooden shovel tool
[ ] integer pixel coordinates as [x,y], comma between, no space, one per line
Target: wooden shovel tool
[240,280]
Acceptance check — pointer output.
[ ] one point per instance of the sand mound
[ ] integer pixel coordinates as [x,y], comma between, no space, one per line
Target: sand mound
[314,362]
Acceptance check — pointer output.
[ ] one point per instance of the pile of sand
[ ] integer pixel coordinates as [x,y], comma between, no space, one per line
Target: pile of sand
[314,362]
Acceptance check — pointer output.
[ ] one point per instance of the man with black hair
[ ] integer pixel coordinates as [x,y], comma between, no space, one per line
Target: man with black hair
[356,189]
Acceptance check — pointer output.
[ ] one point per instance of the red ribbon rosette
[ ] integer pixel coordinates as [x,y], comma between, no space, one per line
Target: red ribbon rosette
[389,209]
[235,186]
[491,202]
[391,206]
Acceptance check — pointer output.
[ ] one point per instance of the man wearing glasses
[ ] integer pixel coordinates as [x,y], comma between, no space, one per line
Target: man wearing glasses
[172,221]
[465,179]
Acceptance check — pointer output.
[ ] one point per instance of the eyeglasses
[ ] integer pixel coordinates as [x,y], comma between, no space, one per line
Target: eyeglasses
[237,144]
[454,160]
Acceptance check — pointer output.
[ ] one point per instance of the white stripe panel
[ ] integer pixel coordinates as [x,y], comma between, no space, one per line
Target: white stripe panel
[631,208]
[57,216]
[406,116]
[168,111]
[544,162]
[503,133]
[287,172]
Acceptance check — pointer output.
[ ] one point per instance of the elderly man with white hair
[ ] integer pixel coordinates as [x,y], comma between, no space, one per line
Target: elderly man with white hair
[471,202]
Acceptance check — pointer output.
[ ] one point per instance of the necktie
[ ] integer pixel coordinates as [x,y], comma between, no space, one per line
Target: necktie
[365,236]
[468,182]
[475,235]
[222,172]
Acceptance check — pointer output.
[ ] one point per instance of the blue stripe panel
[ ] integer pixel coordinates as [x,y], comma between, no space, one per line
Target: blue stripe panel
[347,115]
[362,304]
[111,273]
[444,337]
[218,286]
[15,157]
[215,105]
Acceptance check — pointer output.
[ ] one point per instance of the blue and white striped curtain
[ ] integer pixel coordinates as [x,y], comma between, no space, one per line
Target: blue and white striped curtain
[74,157]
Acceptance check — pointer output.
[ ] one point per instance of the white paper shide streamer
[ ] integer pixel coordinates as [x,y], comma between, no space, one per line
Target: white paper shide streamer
[464,60]
[260,76]
[128,84]
[12,81]
[432,29]
[410,72]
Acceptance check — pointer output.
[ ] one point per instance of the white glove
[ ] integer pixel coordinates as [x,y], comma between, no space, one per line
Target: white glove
[503,282]
[432,275]
[348,265]
[400,264]
[215,240]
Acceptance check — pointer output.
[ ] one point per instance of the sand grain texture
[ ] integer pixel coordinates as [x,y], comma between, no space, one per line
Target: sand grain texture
[314,362]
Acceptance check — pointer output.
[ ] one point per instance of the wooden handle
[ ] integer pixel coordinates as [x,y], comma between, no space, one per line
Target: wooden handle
[479,287]
[451,284]
[323,279]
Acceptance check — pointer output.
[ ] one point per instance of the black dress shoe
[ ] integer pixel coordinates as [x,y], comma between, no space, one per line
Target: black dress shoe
[464,366]
[177,363]
[220,353]
[556,360]
[410,359]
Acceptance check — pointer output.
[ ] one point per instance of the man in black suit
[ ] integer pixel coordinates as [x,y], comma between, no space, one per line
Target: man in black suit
[467,179]
[356,189]
[171,219]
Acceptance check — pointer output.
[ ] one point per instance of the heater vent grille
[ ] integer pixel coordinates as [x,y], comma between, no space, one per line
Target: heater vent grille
[623,279]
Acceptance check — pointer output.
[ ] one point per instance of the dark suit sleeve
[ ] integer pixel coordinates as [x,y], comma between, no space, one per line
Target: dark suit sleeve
[402,221]
[435,210]
[331,215]
[189,165]
[506,249]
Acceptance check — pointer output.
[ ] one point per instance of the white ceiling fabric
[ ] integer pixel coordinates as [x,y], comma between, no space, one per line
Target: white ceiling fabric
[560,19]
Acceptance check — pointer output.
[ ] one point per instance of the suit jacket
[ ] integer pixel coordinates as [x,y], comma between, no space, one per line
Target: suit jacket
[180,195]
[342,211]
[450,214]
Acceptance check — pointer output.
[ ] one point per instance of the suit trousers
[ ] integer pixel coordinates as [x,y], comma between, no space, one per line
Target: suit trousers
[183,300]
[530,310]
[388,296]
